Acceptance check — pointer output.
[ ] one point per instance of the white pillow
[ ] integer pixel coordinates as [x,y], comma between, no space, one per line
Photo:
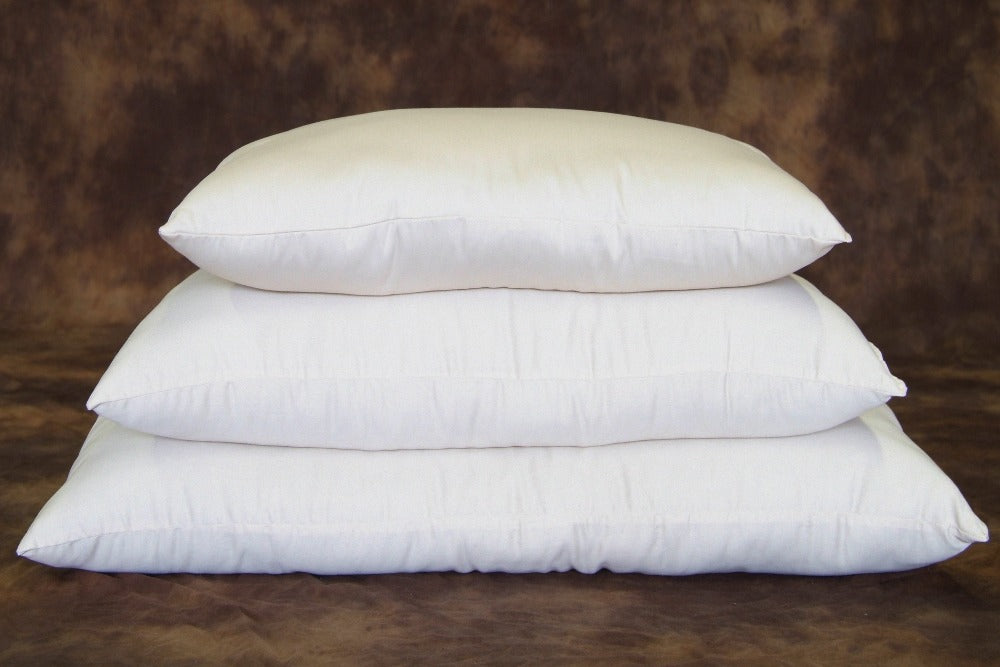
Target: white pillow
[490,367]
[858,498]
[431,199]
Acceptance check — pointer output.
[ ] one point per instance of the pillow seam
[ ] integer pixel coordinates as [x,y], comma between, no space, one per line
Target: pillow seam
[387,221]
[846,385]
[914,524]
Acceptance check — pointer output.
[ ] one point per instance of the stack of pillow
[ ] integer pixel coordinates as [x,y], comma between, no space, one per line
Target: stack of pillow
[499,339]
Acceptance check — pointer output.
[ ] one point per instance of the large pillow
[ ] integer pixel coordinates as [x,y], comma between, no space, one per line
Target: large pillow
[490,367]
[857,498]
[431,199]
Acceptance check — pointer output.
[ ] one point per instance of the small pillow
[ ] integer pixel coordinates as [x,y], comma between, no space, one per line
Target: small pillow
[858,498]
[433,199]
[490,367]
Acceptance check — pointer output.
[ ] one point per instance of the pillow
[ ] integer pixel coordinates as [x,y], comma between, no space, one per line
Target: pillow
[857,498]
[490,367]
[433,199]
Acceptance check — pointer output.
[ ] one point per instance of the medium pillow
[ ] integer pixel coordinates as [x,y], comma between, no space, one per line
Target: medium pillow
[433,199]
[857,498]
[490,367]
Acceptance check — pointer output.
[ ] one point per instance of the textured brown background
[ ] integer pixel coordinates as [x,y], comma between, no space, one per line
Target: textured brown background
[111,111]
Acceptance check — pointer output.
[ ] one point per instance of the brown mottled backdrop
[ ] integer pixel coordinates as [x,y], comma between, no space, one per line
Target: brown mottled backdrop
[111,111]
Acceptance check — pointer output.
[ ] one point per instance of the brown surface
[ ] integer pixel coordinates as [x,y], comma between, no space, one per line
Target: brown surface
[948,613]
[112,111]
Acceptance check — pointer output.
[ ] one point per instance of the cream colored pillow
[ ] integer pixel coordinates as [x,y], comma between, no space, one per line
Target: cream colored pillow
[490,367]
[857,498]
[433,199]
